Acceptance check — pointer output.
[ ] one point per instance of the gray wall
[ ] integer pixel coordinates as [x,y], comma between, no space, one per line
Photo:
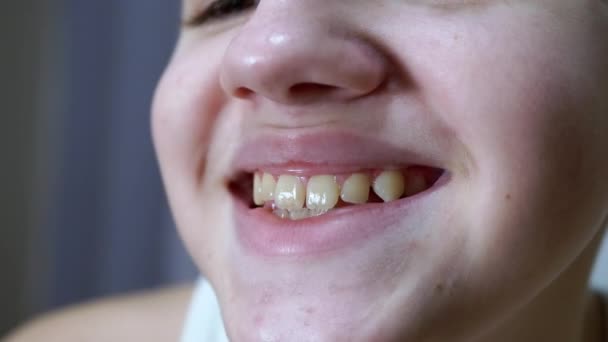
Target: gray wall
[19,72]
[83,213]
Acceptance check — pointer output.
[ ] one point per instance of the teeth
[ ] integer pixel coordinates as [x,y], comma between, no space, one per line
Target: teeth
[295,198]
[298,214]
[389,185]
[289,193]
[257,189]
[268,186]
[356,189]
[322,192]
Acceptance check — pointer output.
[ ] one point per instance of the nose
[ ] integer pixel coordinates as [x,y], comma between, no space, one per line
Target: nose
[288,53]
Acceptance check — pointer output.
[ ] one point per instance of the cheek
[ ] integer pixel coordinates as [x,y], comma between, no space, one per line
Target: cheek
[523,101]
[530,117]
[185,109]
[185,113]
[187,104]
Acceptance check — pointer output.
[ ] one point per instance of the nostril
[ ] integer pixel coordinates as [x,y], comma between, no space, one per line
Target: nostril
[310,90]
[309,87]
[243,92]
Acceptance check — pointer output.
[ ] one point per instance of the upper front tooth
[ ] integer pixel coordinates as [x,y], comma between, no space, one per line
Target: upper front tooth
[356,189]
[257,189]
[389,185]
[268,186]
[322,192]
[289,193]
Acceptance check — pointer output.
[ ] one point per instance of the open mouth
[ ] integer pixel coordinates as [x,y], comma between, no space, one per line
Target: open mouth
[292,194]
[310,194]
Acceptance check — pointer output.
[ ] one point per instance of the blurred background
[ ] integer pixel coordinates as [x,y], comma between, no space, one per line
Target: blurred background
[83,213]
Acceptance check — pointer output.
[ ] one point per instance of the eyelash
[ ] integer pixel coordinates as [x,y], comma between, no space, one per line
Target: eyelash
[221,9]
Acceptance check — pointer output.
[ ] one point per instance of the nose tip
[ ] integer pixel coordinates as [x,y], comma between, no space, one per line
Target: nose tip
[288,62]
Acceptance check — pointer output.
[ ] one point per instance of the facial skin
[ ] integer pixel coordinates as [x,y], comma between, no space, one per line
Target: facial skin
[509,95]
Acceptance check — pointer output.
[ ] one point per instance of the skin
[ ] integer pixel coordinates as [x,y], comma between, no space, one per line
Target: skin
[518,87]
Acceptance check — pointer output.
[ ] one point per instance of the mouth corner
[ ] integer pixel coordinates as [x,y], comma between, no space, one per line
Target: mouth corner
[240,186]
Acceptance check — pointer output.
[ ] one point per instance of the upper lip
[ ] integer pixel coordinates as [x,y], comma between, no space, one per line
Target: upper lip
[330,152]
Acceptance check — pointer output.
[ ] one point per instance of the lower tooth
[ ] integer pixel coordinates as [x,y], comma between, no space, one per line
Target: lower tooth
[298,214]
[281,213]
[318,212]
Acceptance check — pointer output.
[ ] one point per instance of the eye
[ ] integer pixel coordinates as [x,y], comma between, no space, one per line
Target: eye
[220,9]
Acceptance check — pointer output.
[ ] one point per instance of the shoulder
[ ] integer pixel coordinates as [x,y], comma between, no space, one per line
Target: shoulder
[154,315]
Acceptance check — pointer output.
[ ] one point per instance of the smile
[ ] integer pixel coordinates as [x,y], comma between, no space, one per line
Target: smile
[297,197]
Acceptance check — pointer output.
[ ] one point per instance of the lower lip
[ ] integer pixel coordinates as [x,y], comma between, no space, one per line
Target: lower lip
[260,232]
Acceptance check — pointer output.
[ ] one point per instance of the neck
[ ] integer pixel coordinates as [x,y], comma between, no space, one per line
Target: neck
[566,311]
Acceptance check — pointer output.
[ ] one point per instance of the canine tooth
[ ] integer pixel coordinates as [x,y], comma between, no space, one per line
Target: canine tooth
[415,184]
[257,189]
[322,192]
[389,185]
[268,186]
[356,189]
[289,193]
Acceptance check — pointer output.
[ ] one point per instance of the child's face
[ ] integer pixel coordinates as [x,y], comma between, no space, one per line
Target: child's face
[504,96]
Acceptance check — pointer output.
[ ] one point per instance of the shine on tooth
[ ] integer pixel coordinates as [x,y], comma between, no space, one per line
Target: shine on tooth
[322,192]
[257,189]
[355,189]
[389,185]
[289,193]
[268,186]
